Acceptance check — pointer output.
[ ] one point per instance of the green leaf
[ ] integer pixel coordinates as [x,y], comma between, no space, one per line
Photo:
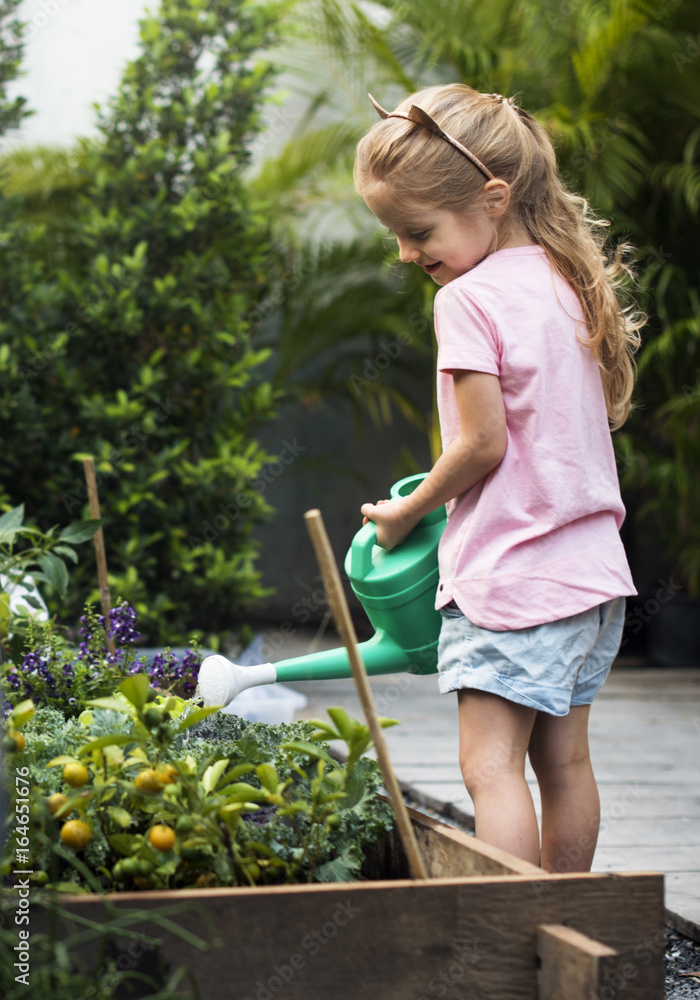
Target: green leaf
[55,572]
[33,602]
[11,523]
[125,843]
[304,746]
[63,759]
[120,816]
[336,870]
[243,792]
[80,531]
[135,690]
[344,724]
[385,722]
[212,774]
[113,704]
[195,717]
[326,730]
[22,713]
[112,739]
[66,550]
[268,777]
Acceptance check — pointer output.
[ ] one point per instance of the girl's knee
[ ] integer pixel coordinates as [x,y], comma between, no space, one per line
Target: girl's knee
[482,769]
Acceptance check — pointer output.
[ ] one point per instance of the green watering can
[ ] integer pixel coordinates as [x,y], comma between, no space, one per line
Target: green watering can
[397,590]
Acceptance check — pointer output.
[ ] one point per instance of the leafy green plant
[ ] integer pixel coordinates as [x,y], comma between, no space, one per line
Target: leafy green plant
[27,556]
[141,796]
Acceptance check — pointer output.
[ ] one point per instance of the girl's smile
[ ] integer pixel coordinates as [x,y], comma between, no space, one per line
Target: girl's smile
[445,244]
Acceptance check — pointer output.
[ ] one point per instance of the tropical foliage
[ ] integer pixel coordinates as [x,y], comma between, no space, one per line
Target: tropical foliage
[617,84]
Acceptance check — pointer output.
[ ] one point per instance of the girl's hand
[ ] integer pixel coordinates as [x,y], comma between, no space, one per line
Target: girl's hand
[392,521]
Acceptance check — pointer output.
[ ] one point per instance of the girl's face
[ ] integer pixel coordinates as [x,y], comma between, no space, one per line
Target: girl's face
[445,244]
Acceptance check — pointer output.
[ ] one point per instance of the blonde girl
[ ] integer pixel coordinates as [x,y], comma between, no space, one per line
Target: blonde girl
[535,367]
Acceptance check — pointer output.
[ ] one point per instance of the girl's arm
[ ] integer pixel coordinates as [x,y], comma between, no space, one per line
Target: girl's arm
[477,450]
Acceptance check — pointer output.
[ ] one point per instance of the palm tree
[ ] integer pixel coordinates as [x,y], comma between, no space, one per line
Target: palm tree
[617,85]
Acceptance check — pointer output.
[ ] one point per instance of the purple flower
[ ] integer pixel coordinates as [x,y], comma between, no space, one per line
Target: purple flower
[86,629]
[161,666]
[138,667]
[122,625]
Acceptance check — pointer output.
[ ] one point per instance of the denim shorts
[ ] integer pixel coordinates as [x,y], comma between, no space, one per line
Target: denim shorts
[550,667]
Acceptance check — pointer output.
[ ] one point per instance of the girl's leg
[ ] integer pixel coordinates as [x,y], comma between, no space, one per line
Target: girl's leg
[494,735]
[570,804]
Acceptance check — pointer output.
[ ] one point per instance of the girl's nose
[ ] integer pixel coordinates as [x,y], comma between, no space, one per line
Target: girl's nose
[407,252]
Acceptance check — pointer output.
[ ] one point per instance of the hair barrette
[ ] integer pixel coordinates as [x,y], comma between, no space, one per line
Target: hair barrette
[417,116]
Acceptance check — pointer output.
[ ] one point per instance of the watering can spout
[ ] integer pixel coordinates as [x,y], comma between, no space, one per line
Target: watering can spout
[220,680]
[397,590]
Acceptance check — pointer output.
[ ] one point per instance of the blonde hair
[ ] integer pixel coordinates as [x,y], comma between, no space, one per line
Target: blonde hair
[420,168]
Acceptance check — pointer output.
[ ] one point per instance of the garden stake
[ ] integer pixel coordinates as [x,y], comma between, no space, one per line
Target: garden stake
[105,598]
[341,613]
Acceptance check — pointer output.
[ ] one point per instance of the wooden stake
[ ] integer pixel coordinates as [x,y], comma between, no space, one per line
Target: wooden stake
[105,598]
[341,613]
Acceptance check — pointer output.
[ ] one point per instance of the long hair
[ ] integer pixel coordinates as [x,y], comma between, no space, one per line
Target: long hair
[421,169]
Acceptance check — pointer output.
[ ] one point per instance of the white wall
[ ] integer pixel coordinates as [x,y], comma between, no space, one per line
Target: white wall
[75,51]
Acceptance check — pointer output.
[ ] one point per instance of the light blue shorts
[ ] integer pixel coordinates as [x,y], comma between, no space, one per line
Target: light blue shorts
[550,667]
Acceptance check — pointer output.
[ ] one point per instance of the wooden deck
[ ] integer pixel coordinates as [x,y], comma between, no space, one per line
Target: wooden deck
[645,745]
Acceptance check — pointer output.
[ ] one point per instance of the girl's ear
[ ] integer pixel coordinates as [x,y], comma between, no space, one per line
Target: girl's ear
[496,197]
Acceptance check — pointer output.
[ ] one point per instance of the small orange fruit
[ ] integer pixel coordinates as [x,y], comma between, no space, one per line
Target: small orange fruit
[76,774]
[56,802]
[76,834]
[148,780]
[168,774]
[162,837]
[19,740]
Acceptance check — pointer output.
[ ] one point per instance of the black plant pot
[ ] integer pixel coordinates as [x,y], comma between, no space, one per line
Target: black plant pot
[674,633]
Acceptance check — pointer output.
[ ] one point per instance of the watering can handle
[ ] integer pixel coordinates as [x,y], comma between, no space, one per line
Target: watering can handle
[361,550]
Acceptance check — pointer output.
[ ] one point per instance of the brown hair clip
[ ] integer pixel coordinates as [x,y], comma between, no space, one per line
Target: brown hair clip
[417,116]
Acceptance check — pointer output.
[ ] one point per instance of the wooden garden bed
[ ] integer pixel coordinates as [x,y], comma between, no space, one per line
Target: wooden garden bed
[485,925]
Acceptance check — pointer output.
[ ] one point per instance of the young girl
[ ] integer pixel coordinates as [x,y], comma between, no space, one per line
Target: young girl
[534,369]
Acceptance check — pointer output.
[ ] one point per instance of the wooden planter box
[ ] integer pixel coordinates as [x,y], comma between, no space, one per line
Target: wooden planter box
[485,926]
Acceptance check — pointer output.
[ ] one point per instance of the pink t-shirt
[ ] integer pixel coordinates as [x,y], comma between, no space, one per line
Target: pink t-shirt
[538,538]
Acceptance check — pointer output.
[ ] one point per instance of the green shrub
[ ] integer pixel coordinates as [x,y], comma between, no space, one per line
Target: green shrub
[127,341]
[148,791]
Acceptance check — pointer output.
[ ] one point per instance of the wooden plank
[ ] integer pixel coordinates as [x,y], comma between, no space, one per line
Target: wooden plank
[447,852]
[451,852]
[572,965]
[400,940]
